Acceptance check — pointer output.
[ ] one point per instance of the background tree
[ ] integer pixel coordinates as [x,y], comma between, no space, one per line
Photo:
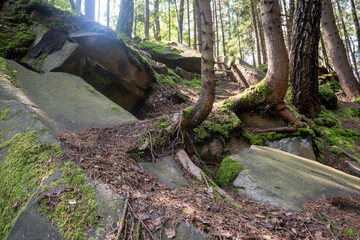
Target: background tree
[78,5]
[157,35]
[125,20]
[90,9]
[350,85]
[304,57]
[147,19]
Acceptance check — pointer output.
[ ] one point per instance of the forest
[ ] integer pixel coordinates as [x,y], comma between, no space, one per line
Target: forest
[179,119]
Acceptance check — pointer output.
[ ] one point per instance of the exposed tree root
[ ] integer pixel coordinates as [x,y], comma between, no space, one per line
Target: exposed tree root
[346,153]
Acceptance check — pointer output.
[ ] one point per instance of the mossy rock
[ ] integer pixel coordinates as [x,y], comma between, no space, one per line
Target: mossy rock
[229,169]
[327,97]
[331,81]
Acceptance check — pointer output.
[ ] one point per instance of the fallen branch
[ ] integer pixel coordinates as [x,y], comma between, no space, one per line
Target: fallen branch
[346,153]
[122,218]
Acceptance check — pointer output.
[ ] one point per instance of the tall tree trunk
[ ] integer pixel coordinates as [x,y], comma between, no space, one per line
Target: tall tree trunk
[216,30]
[108,13]
[188,18]
[273,88]
[198,27]
[73,6]
[194,116]
[290,21]
[229,22]
[288,32]
[262,37]
[238,32]
[147,19]
[181,20]
[135,22]
[337,52]
[347,40]
[356,21]
[304,57]
[98,17]
[90,9]
[156,21]
[257,41]
[169,8]
[125,20]
[325,56]
[78,5]
[195,24]
[222,28]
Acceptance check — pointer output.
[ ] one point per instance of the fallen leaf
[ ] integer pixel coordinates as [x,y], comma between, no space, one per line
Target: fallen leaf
[170,232]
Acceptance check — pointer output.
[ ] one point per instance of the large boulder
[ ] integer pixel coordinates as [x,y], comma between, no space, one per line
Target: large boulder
[174,55]
[105,62]
[66,102]
[285,180]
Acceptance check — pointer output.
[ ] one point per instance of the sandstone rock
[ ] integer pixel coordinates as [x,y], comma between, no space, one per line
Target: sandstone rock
[157,66]
[183,73]
[257,120]
[354,168]
[286,180]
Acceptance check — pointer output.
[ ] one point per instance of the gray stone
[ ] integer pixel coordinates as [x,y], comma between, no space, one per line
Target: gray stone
[183,73]
[185,57]
[167,171]
[354,168]
[66,102]
[302,147]
[256,120]
[286,180]
[157,66]
[212,151]
[184,232]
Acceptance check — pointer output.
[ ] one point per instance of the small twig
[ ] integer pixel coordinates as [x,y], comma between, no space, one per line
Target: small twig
[309,232]
[349,155]
[122,218]
[147,228]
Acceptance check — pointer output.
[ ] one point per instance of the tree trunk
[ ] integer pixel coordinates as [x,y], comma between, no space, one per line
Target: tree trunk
[147,19]
[108,13]
[181,20]
[195,24]
[194,116]
[216,30]
[169,1]
[78,5]
[290,22]
[347,40]
[188,17]
[288,32]
[222,29]
[73,6]
[125,20]
[325,56]
[304,57]
[229,15]
[356,21]
[337,52]
[90,9]
[257,41]
[156,21]
[273,88]
[98,17]
[198,26]
[262,38]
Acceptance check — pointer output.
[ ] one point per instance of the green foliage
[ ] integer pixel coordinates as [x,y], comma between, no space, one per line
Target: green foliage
[22,169]
[329,81]
[165,80]
[350,113]
[327,119]
[164,122]
[326,93]
[357,100]
[6,71]
[75,211]
[350,232]
[229,169]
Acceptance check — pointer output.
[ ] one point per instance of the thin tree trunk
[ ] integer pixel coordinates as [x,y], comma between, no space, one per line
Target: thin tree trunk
[78,5]
[188,17]
[181,20]
[213,17]
[325,56]
[304,57]
[291,17]
[156,21]
[194,116]
[98,17]
[222,29]
[147,19]
[216,30]
[229,15]
[262,37]
[238,32]
[90,9]
[125,20]
[257,41]
[108,13]
[337,52]
[356,22]
[347,40]
[169,1]
[135,22]
[287,25]
[198,27]
[195,24]
[73,6]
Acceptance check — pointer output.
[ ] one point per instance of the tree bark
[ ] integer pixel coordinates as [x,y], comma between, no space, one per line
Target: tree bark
[98,17]
[181,20]
[90,9]
[273,88]
[125,20]
[156,21]
[356,21]
[198,26]
[169,1]
[288,32]
[78,5]
[147,19]
[188,17]
[222,29]
[291,17]
[195,24]
[193,116]
[337,52]
[325,56]
[73,6]
[216,30]
[262,38]
[257,41]
[108,13]
[304,57]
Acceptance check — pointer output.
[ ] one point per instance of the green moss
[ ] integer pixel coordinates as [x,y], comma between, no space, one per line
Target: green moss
[164,122]
[229,169]
[350,113]
[161,48]
[165,80]
[357,100]
[75,211]
[34,116]
[22,169]
[43,131]
[330,82]
[327,119]
[6,72]
[326,93]
[195,83]
[350,232]
[259,139]
[189,112]
[4,112]
[263,67]
[115,109]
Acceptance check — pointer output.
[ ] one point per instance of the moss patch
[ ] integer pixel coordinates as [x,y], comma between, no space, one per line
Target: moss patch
[75,209]
[229,169]
[161,48]
[330,81]
[4,112]
[21,171]
[350,113]
[164,122]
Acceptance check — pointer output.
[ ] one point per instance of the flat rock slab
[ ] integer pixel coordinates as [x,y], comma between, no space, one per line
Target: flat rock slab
[167,171]
[66,102]
[286,180]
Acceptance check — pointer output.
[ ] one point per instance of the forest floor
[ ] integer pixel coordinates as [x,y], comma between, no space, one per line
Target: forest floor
[107,154]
